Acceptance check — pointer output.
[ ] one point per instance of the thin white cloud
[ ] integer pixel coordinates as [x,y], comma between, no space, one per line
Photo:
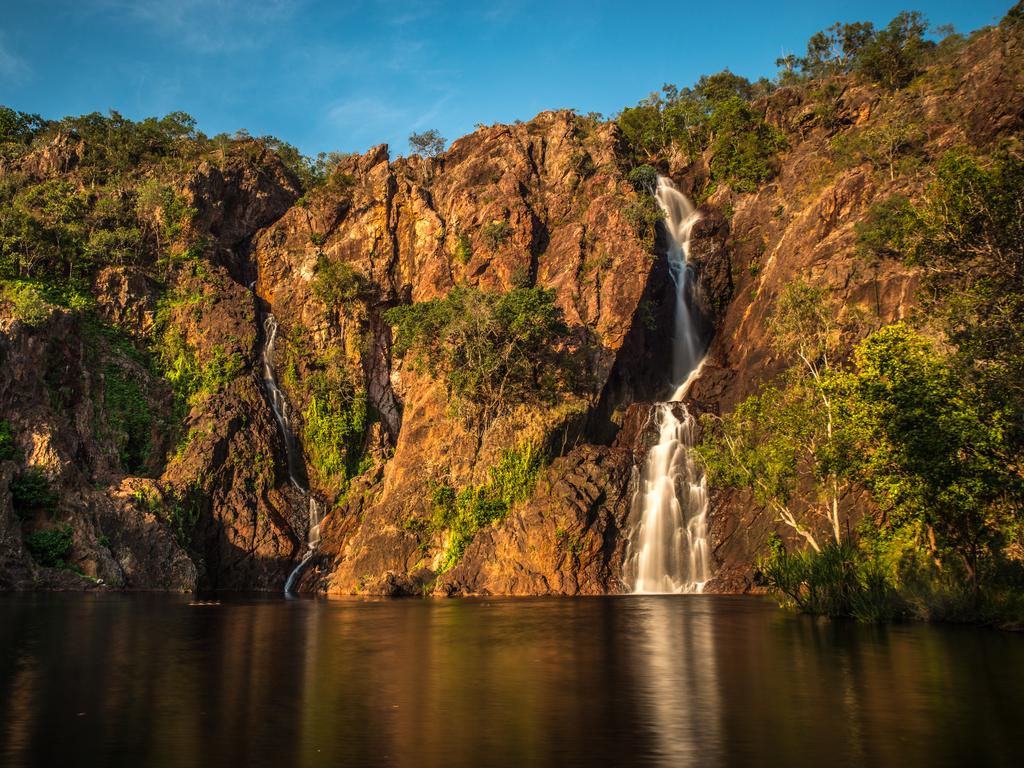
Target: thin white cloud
[426,119]
[12,67]
[209,26]
[364,114]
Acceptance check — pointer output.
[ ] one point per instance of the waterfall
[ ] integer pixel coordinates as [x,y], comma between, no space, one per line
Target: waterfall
[279,405]
[668,543]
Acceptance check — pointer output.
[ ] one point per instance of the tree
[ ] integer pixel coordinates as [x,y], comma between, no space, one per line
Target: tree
[744,147]
[894,55]
[19,127]
[493,351]
[784,443]
[429,143]
[968,237]
[930,452]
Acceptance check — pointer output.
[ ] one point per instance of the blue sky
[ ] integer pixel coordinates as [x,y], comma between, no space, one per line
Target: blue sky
[349,74]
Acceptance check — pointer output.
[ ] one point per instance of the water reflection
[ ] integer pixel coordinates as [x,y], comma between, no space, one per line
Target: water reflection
[658,680]
[675,663]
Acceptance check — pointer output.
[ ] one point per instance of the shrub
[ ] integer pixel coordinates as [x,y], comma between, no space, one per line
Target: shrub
[838,581]
[643,214]
[336,420]
[745,146]
[8,449]
[463,249]
[27,302]
[496,234]
[128,418]
[338,284]
[492,350]
[31,492]
[644,178]
[882,233]
[50,548]
[181,513]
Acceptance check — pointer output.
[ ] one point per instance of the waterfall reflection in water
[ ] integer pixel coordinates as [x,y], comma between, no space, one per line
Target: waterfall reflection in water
[650,680]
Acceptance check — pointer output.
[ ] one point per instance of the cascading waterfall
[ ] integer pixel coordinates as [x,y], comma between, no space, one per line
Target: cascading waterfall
[279,405]
[668,544]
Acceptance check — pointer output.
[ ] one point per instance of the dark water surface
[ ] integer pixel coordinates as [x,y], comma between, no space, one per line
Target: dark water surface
[153,681]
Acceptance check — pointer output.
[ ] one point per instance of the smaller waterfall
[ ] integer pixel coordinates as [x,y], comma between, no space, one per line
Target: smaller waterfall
[279,405]
[668,541]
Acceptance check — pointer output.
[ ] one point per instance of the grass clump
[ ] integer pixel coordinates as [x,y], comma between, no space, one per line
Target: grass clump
[462,513]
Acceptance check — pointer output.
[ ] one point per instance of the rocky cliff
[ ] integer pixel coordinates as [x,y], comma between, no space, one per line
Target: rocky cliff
[204,500]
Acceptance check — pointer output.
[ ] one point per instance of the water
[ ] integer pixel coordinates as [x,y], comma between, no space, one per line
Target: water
[142,680]
[672,504]
[668,543]
[296,474]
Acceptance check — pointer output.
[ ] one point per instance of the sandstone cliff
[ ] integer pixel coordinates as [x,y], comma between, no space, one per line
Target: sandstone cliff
[205,500]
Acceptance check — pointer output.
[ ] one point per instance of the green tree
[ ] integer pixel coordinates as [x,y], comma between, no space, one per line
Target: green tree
[896,54]
[968,237]
[785,444]
[429,143]
[833,51]
[19,127]
[492,350]
[933,456]
[744,147]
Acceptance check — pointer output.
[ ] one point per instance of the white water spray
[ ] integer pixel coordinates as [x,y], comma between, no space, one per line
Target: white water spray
[668,543]
[279,405]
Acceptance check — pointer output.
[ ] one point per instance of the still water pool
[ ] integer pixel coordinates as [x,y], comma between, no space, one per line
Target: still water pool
[115,680]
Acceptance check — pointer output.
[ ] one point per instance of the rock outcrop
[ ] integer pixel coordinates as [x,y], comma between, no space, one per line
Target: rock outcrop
[205,500]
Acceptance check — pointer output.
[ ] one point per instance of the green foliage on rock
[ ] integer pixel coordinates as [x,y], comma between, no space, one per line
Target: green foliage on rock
[127,417]
[191,377]
[463,513]
[745,147]
[463,249]
[31,492]
[493,351]
[335,422]
[26,301]
[338,284]
[644,178]
[50,548]
[881,234]
[8,448]
[643,214]
[496,233]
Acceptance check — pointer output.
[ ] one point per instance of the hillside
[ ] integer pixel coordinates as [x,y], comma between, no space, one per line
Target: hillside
[467,344]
